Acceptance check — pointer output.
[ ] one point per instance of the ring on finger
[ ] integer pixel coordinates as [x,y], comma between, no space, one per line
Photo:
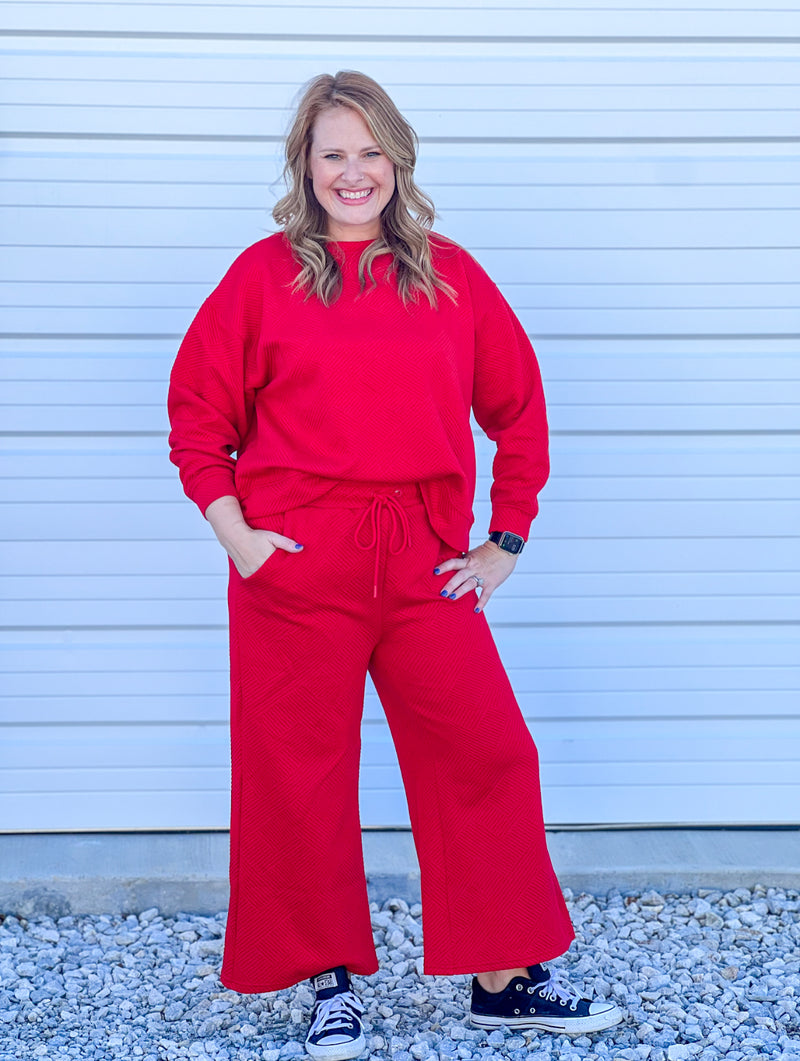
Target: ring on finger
[479,581]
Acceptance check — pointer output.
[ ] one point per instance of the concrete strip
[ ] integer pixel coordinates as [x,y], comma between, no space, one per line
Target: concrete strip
[61,873]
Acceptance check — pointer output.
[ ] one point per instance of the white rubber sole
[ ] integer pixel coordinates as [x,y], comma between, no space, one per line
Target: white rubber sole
[597,1022]
[337,1051]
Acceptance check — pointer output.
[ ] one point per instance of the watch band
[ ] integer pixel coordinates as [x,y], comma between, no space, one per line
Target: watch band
[511,543]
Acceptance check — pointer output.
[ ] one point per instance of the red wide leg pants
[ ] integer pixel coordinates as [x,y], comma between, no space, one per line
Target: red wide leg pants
[305,629]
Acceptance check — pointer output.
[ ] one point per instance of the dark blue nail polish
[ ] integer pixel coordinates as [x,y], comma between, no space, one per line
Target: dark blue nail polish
[477,609]
[443,593]
[437,571]
[452,596]
[298,545]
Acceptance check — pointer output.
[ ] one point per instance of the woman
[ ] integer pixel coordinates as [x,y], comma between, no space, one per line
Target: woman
[339,360]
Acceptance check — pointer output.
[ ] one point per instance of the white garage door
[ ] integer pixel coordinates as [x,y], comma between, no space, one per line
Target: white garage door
[630,179]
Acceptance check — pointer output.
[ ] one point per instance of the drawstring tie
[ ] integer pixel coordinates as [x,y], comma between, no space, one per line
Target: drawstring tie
[400,527]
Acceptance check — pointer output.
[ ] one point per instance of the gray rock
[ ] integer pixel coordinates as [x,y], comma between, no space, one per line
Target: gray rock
[42,932]
[395,937]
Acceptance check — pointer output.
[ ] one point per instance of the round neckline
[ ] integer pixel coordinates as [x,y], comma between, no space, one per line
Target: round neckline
[345,243]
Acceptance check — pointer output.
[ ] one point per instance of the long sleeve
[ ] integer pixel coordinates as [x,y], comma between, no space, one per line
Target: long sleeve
[212,386]
[508,402]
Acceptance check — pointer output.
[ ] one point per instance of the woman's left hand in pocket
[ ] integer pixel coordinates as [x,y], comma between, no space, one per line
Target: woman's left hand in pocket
[483,568]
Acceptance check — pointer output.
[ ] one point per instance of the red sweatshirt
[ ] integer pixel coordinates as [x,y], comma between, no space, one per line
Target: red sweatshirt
[366,389]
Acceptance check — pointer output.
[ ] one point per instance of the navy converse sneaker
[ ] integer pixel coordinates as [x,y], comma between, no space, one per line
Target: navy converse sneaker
[545,1005]
[335,1032]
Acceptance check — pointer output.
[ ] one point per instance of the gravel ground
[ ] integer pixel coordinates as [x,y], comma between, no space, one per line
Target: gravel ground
[701,976]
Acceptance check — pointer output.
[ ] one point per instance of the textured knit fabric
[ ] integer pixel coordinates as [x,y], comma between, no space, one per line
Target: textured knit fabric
[365,389]
[304,631]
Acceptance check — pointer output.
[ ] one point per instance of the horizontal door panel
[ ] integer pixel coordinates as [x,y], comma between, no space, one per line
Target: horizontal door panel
[402,69]
[602,704]
[631,320]
[207,263]
[490,225]
[685,364]
[194,612]
[564,394]
[716,804]
[540,706]
[617,741]
[567,172]
[77,419]
[704,352]
[110,706]
[111,782]
[657,417]
[531,96]
[75,696]
[527,585]
[191,687]
[715,649]
[510,22]
[456,185]
[33,298]
[119,613]
[268,116]
[156,483]
[670,467]
[190,749]
[652,320]
[118,300]
[128,810]
[135,365]
[563,805]
[638,774]
[684,393]
[561,519]
[203,557]
[695,804]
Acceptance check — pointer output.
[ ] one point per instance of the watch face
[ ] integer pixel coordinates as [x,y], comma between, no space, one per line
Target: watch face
[511,543]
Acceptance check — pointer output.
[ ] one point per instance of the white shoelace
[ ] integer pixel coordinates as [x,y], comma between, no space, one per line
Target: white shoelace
[555,991]
[336,1013]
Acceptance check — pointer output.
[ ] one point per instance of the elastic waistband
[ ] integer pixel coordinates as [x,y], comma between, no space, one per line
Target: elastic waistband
[356,494]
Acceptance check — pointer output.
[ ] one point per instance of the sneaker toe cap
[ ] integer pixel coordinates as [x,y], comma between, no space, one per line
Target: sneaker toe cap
[598,1009]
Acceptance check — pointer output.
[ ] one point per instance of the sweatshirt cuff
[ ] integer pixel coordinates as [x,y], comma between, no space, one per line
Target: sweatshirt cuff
[512,519]
[211,489]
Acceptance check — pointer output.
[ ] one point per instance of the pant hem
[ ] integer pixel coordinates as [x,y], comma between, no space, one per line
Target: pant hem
[503,962]
[283,983]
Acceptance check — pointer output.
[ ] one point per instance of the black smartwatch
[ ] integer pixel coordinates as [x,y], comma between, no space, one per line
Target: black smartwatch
[512,543]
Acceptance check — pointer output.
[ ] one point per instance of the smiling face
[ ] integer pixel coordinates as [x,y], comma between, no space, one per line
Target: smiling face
[353,179]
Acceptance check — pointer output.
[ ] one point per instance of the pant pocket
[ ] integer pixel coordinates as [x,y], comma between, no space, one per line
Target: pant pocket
[272,523]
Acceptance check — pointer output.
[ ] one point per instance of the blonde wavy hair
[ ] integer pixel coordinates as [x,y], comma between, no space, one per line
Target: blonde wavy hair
[405,218]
